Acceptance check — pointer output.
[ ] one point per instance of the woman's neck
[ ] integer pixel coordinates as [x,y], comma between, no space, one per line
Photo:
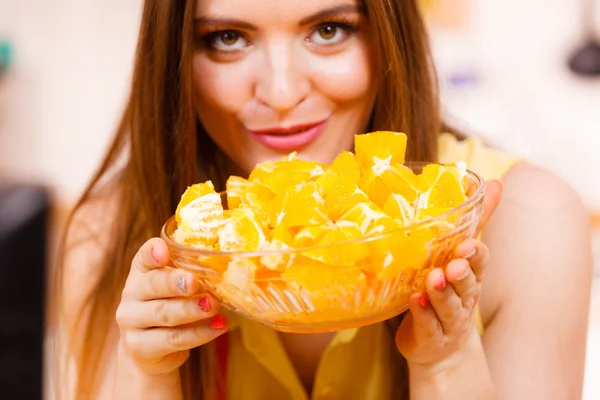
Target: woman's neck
[305,352]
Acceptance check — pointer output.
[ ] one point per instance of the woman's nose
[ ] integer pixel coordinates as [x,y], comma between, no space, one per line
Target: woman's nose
[281,83]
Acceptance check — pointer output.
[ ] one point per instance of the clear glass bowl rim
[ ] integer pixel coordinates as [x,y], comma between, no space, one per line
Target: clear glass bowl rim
[474,198]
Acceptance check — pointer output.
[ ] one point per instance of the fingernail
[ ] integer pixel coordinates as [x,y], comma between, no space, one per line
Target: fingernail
[464,275]
[423,300]
[153,255]
[204,304]
[218,322]
[441,284]
[471,254]
[181,283]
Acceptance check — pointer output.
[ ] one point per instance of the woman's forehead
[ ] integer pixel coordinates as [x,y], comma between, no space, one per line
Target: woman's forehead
[271,11]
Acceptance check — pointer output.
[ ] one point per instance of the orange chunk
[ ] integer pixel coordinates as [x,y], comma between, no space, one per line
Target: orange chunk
[289,173]
[380,147]
[283,234]
[201,220]
[340,194]
[345,165]
[332,247]
[192,193]
[398,253]
[304,207]
[324,286]
[447,192]
[277,259]
[382,180]
[258,196]
[432,172]
[240,272]
[236,188]
[242,232]
[396,206]
[262,170]
[364,215]
[309,236]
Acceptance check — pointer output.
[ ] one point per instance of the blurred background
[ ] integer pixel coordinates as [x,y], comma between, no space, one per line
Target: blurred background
[523,75]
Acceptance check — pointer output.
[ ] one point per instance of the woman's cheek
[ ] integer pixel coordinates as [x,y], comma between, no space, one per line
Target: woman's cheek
[222,85]
[345,76]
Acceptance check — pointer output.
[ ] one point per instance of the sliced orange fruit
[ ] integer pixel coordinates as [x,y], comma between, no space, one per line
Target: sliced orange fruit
[284,234]
[216,263]
[289,173]
[323,285]
[277,261]
[332,213]
[340,194]
[193,193]
[364,215]
[262,170]
[447,192]
[304,207]
[432,172]
[397,253]
[396,206]
[382,146]
[333,250]
[240,272]
[242,232]
[201,220]
[345,165]
[236,188]
[381,180]
[309,236]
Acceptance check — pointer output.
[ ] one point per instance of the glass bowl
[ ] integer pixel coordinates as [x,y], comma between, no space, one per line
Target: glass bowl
[323,294]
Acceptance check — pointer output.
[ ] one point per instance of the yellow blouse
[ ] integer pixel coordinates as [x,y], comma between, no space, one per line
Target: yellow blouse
[356,364]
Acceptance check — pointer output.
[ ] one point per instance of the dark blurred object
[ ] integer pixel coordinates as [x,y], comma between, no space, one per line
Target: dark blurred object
[24,212]
[5,56]
[586,60]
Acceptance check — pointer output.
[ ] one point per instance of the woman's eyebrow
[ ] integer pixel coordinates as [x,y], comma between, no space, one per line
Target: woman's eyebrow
[219,21]
[328,12]
[238,23]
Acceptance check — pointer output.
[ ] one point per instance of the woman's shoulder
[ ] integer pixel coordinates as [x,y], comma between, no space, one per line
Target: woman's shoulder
[85,245]
[539,237]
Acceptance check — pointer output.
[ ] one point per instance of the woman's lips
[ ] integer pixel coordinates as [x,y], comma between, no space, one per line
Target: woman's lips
[290,138]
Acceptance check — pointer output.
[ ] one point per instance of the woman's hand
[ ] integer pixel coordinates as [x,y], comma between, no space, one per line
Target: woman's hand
[442,319]
[161,316]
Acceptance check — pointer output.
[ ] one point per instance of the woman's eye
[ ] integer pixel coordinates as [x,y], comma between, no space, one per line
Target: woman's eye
[226,41]
[327,34]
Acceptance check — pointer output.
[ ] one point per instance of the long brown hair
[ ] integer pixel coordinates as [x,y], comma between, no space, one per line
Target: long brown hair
[165,148]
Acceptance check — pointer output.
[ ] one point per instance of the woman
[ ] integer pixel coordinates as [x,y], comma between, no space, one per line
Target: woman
[221,85]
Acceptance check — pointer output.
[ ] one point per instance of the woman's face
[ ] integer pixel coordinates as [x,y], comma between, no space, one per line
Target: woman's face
[275,76]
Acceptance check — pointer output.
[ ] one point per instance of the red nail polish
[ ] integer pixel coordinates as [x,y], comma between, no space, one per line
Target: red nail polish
[204,304]
[441,284]
[218,322]
[423,300]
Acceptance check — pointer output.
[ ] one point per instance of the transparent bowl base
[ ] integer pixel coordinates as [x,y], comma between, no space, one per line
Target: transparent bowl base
[327,327]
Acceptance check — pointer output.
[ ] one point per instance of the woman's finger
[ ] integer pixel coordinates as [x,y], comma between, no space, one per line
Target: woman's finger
[167,312]
[478,255]
[166,282]
[154,344]
[426,325]
[446,303]
[153,254]
[463,281]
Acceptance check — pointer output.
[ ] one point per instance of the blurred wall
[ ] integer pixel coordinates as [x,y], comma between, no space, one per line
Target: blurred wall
[61,99]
